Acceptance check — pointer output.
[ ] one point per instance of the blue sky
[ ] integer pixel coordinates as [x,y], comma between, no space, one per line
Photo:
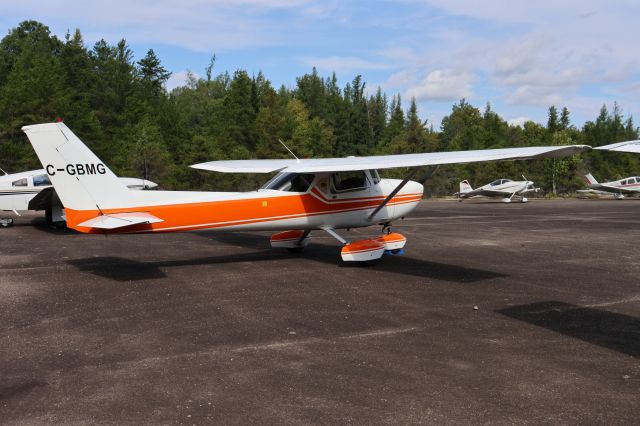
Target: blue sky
[521,56]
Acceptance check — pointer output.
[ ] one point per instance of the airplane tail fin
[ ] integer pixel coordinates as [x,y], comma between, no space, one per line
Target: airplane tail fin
[465,187]
[590,180]
[81,179]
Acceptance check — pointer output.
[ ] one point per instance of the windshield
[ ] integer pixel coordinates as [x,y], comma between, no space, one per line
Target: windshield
[41,180]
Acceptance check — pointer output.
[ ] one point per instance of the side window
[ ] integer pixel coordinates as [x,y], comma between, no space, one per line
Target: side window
[41,180]
[348,181]
[19,182]
[290,182]
[301,182]
[630,181]
[624,182]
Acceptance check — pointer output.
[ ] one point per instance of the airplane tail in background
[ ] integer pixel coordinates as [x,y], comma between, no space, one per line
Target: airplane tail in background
[465,187]
[81,180]
[590,180]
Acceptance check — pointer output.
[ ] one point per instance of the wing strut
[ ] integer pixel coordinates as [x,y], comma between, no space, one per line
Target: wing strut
[430,171]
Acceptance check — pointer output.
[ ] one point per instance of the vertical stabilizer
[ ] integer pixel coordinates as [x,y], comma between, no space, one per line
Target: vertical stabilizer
[590,179]
[81,179]
[465,187]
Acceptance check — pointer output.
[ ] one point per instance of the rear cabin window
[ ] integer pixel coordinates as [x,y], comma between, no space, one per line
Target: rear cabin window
[290,182]
[41,180]
[349,181]
[19,182]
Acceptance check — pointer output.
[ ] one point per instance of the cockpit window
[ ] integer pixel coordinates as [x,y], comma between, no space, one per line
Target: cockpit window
[496,182]
[41,180]
[19,182]
[348,181]
[290,182]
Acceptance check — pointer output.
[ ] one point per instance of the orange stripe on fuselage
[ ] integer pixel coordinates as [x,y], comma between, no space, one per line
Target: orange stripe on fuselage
[225,213]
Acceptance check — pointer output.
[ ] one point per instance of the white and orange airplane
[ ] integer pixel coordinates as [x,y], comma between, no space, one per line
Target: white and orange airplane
[306,194]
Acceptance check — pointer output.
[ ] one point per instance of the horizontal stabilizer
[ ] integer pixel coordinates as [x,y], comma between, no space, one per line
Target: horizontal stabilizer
[120,220]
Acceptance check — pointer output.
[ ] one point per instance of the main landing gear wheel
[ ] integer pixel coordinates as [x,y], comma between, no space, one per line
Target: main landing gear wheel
[6,222]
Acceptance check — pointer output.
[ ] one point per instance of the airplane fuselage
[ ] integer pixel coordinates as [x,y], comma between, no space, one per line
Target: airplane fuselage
[509,187]
[16,190]
[319,206]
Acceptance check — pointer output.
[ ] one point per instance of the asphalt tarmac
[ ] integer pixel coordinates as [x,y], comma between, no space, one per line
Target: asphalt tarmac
[502,314]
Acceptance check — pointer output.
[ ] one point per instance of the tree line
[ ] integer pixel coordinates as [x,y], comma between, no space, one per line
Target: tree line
[122,111]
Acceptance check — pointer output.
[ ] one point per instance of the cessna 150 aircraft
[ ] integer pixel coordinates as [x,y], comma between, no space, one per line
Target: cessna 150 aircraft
[619,188]
[306,194]
[501,188]
[32,190]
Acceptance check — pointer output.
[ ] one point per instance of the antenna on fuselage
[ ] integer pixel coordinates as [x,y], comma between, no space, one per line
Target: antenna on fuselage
[287,148]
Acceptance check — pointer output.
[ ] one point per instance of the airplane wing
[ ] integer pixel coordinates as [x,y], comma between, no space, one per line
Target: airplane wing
[316,165]
[120,220]
[628,146]
[614,189]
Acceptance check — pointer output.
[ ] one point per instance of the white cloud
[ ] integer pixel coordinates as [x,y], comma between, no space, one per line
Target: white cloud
[534,54]
[181,78]
[518,121]
[529,95]
[443,85]
[199,25]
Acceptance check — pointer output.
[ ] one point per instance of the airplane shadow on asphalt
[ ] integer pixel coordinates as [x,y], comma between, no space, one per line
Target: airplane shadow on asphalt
[123,269]
[610,330]
[18,389]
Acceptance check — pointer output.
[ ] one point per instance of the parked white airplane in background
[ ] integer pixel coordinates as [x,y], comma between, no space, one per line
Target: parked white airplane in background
[32,190]
[628,146]
[306,194]
[501,188]
[619,188]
